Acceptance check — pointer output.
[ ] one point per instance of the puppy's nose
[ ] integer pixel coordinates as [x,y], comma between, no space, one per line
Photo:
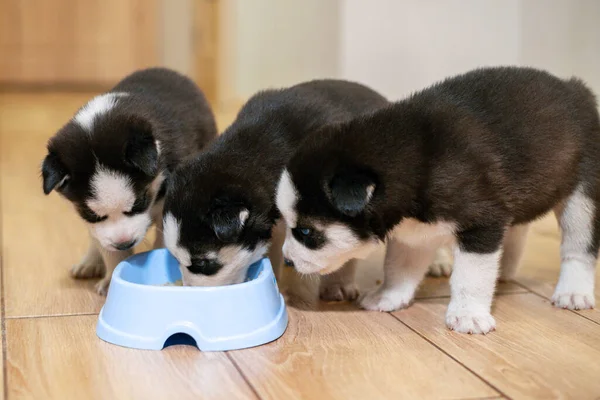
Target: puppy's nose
[288,262]
[124,245]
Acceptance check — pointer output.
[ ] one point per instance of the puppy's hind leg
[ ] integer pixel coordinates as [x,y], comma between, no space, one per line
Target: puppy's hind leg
[91,265]
[339,285]
[442,264]
[579,221]
[514,244]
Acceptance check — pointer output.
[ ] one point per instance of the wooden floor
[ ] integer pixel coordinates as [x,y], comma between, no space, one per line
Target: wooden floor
[330,351]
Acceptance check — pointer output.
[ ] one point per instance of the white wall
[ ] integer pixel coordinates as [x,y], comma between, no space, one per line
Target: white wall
[398,46]
[277,43]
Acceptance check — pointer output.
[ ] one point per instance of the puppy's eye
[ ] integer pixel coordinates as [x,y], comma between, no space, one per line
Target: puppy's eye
[305,231]
[141,204]
[204,266]
[311,238]
[90,216]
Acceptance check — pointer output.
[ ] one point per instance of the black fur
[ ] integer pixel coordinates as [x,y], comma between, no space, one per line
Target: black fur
[486,149]
[161,105]
[241,168]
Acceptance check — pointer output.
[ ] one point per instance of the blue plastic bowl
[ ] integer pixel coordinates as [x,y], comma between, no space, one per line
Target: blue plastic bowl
[141,314]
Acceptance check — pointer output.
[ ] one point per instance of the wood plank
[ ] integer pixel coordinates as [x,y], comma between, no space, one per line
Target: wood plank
[36,260]
[537,351]
[61,358]
[339,352]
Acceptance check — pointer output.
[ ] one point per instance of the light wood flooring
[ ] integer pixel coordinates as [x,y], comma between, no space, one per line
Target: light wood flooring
[329,351]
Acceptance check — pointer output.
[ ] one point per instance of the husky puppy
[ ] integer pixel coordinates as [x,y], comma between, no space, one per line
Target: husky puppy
[220,207]
[112,160]
[467,162]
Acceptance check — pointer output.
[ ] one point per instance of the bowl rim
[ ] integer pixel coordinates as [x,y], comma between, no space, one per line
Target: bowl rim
[264,274]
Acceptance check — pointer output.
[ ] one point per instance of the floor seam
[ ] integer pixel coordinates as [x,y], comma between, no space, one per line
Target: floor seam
[50,316]
[550,300]
[431,342]
[244,377]
[3,327]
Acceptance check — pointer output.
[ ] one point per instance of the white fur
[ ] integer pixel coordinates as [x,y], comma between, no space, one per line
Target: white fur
[286,199]
[112,195]
[235,259]
[171,228]
[575,288]
[342,245]
[472,284]
[96,106]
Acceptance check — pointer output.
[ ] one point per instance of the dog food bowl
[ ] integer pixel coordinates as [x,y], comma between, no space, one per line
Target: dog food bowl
[142,313]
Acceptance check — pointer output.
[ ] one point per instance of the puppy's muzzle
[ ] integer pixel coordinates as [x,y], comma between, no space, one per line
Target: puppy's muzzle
[124,245]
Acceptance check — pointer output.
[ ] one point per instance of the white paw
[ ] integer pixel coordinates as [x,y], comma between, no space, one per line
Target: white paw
[386,299]
[86,270]
[338,292]
[574,301]
[102,286]
[467,322]
[440,268]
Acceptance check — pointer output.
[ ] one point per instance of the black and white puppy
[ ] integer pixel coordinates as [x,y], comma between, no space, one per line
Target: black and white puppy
[469,161]
[220,207]
[112,159]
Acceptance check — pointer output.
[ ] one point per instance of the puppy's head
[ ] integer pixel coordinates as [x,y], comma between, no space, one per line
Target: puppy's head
[215,226]
[107,165]
[327,222]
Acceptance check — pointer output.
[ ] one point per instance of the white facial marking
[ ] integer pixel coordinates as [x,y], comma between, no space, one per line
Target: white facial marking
[341,246]
[112,196]
[472,284]
[96,106]
[112,191]
[575,287]
[171,228]
[244,214]
[235,261]
[286,198]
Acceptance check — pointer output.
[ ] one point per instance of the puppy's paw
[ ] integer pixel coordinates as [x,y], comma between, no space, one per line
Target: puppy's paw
[338,292]
[574,301]
[440,268]
[87,270]
[102,286]
[472,323]
[386,299]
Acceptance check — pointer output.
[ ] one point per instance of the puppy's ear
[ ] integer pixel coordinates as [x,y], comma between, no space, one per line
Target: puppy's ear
[228,221]
[54,173]
[350,192]
[141,149]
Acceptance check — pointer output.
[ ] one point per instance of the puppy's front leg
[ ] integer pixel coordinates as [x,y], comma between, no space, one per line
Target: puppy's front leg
[91,265]
[111,260]
[404,268]
[339,286]
[473,281]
